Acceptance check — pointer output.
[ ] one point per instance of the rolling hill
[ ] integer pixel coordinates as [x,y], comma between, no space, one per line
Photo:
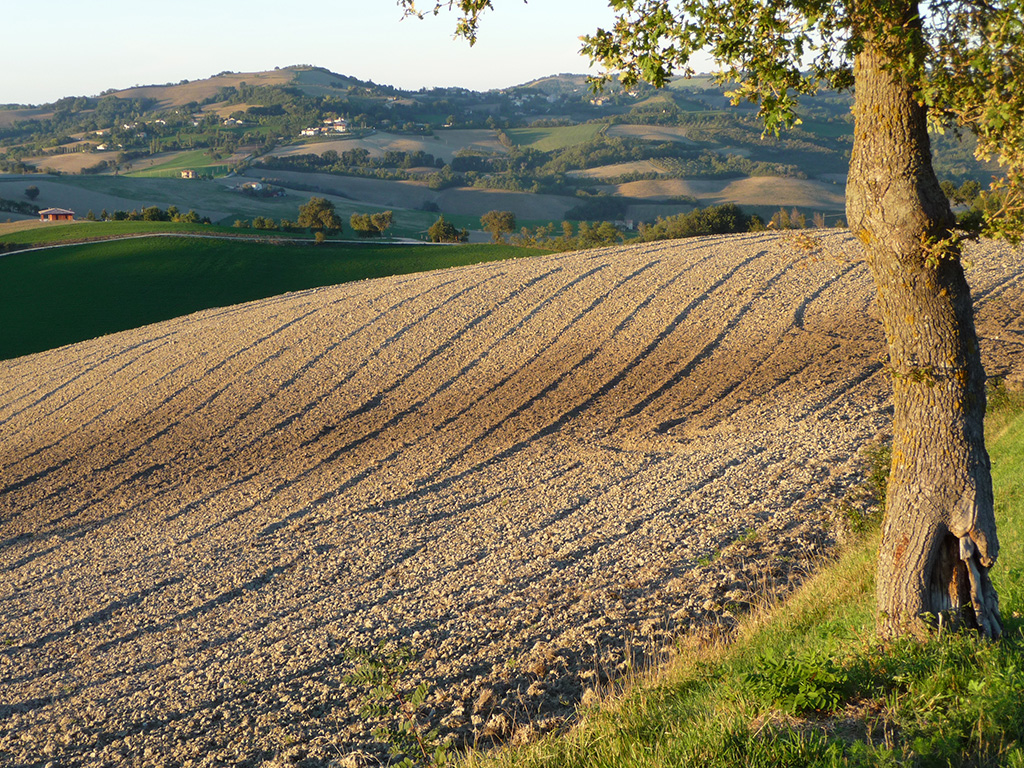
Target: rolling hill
[309,80]
[543,150]
[550,136]
[533,472]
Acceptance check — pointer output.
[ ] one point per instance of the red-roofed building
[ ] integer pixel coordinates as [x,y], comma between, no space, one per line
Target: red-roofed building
[56,214]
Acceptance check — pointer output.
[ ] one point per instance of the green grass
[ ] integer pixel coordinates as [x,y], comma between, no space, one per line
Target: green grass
[808,684]
[198,160]
[60,296]
[1005,432]
[558,137]
[174,173]
[87,230]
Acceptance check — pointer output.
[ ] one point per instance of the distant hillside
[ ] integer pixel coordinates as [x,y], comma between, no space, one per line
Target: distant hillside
[186,92]
[598,155]
[558,84]
[311,81]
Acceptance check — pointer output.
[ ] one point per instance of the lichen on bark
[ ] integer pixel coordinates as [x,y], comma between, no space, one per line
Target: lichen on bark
[939,537]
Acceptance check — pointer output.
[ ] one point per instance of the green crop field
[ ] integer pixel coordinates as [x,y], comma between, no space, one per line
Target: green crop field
[174,173]
[197,160]
[84,193]
[45,234]
[559,137]
[63,295]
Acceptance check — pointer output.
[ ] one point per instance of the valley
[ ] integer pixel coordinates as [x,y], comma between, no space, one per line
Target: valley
[546,150]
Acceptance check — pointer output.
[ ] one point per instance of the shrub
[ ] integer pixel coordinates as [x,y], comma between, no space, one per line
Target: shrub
[371,224]
[498,223]
[713,220]
[798,684]
[442,231]
[319,213]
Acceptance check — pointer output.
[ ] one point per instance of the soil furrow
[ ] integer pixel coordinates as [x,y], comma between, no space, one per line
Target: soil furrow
[536,473]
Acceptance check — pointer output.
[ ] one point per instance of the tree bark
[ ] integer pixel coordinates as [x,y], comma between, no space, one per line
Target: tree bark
[938,533]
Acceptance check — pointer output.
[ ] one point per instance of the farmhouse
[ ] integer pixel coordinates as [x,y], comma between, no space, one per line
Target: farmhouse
[188,173]
[56,214]
[336,124]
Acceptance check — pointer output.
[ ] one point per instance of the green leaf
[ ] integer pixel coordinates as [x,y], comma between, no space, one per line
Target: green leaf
[417,697]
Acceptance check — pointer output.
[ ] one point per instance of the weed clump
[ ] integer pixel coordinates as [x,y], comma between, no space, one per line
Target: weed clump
[798,684]
[396,707]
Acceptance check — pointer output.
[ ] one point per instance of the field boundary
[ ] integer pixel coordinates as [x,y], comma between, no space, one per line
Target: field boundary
[193,235]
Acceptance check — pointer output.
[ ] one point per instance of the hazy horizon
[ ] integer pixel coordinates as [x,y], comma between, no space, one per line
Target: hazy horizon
[125,46]
[212,75]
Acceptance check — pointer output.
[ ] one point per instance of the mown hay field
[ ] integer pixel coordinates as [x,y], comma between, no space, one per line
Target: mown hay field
[753,191]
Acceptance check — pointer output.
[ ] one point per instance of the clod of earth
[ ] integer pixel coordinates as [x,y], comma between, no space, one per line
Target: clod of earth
[536,473]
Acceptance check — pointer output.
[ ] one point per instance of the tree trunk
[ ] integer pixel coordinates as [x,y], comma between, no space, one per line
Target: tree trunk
[939,534]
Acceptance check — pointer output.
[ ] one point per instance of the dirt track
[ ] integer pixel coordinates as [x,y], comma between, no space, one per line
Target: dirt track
[522,469]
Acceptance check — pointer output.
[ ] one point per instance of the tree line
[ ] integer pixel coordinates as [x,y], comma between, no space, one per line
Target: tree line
[526,169]
[712,220]
[151,213]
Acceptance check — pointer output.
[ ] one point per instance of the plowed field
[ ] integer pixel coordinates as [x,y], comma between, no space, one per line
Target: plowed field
[530,471]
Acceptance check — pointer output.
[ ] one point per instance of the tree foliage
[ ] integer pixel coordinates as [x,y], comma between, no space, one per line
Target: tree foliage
[155,213]
[587,235]
[713,220]
[443,231]
[371,224]
[381,221]
[319,214]
[498,223]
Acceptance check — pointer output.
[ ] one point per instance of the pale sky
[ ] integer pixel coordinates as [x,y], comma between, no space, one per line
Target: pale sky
[76,49]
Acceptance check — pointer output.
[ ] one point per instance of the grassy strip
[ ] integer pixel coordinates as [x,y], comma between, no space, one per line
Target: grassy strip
[61,296]
[81,231]
[411,224]
[807,684]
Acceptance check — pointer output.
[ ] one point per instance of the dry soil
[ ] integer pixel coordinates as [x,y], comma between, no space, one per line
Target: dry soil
[535,473]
